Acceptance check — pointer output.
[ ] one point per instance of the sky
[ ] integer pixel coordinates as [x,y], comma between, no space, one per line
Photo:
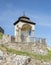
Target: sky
[39,11]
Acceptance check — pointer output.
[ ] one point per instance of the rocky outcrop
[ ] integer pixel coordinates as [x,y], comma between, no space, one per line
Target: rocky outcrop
[13,59]
[29,47]
[39,62]
[39,46]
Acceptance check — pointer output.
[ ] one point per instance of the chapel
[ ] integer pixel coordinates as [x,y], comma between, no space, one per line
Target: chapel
[24,29]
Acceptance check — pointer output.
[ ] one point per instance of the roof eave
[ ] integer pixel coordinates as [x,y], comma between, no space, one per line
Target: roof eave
[24,21]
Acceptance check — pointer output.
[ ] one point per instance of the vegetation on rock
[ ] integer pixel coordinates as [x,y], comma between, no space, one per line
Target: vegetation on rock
[1,35]
[32,55]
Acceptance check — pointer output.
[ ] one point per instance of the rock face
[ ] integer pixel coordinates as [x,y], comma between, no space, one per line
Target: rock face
[20,60]
[14,59]
[39,62]
[1,53]
[1,56]
[29,47]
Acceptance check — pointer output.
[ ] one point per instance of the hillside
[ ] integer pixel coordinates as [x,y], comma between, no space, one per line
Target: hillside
[32,55]
[19,53]
[35,58]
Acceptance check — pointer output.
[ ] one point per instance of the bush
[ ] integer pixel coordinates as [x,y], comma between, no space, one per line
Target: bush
[1,35]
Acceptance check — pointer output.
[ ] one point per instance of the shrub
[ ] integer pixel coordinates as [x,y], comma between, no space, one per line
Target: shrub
[1,35]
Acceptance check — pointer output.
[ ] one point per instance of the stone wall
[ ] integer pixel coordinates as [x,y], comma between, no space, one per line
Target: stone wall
[7,39]
[29,47]
[36,46]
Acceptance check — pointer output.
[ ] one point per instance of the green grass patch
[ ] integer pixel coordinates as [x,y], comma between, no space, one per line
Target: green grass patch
[1,35]
[32,55]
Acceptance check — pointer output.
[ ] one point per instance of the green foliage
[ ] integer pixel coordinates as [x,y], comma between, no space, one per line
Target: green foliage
[1,35]
[49,54]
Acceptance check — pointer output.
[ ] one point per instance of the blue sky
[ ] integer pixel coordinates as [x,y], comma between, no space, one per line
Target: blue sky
[39,12]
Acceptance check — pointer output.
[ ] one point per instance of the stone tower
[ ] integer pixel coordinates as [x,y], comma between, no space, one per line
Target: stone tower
[24,29]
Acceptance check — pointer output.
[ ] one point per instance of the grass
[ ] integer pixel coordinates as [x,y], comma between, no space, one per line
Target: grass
[32,55]
[1,35]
